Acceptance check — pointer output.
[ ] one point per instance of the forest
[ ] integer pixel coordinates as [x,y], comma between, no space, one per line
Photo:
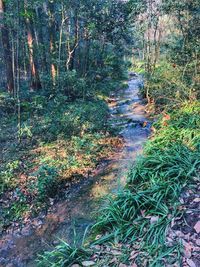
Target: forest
[99,133]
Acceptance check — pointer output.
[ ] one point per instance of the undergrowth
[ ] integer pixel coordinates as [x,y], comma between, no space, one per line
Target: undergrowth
[143,211]
[139,216]
[59,141]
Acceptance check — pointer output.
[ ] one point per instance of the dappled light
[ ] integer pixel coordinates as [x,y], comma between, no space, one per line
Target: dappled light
[99,133]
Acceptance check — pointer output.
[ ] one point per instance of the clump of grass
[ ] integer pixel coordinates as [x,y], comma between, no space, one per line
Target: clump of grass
[143,211]
[139,215]
[65,254]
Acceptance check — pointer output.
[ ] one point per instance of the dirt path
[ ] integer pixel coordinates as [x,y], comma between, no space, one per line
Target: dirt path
[20,248]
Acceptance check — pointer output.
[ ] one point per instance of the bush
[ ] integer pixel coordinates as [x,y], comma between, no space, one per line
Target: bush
[45,183]
[7,175]
[167,86]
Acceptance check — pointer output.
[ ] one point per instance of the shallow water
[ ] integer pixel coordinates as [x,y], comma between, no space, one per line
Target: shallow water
[19,249]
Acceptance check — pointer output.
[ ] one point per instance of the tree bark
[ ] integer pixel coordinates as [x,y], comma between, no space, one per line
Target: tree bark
[35,78]
[52,35]
[7,49]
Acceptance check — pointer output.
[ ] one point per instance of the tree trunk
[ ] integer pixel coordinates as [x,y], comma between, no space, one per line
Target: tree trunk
[52,34]
[72,51]
[7,49]
[41,40]
[35,78]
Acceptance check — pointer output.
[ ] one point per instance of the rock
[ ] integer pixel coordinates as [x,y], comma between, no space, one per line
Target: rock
[191,263]
[10,265]
[88,263]
[122,265]
[197,227]
[75,265]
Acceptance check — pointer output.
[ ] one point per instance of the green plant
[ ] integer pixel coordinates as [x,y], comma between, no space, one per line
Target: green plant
[141,213]
[46,183]
[66,255]
[7,175]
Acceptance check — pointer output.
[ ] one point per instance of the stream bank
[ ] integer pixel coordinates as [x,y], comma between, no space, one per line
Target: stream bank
[19,249]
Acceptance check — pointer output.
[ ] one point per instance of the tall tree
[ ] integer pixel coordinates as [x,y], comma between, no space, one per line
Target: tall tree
[6,47]
[31,40]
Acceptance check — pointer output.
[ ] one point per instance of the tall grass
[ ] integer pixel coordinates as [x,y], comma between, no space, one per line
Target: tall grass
[65,254]
[143,211]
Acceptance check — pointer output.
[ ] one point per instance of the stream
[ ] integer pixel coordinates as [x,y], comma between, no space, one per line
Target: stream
[20,248]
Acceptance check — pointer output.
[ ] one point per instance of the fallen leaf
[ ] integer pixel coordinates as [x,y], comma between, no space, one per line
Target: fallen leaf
[187,249]
[88,263]
[191,263]
[116,252]
[167,117]
[133,255]
[197,227]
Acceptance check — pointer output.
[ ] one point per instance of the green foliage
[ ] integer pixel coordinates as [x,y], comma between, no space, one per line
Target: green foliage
[14,212]
[7,175]
[171,160]
[182,128]
[7,104]
[46,183]
[66,255]
[168,87]
[62,119]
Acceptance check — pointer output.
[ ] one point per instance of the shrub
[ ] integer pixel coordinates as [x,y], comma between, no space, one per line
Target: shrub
[45,184]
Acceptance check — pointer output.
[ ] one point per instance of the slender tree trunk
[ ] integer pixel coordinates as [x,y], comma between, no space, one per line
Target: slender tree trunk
[7,48]
[35,78]
[72,51]
[31,40]
[42,44]
[52,35]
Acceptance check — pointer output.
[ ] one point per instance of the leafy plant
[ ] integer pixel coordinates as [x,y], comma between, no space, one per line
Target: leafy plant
[142,212]
[46,183]
[66,255]
[7,175]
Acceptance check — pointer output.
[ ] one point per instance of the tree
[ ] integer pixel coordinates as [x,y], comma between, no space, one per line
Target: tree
[6,47]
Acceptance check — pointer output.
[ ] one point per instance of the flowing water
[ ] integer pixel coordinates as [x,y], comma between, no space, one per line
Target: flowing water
[19,248]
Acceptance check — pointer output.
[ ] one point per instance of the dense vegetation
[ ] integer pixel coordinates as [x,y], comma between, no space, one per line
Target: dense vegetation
[136,221]
[59,62]
[61,59]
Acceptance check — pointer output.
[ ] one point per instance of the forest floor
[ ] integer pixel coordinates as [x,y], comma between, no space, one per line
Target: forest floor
[27,235]
[60,147]
[155,220]
[141,225]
